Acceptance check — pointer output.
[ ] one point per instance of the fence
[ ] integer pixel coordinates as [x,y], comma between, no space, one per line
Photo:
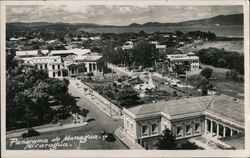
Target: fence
[115,109]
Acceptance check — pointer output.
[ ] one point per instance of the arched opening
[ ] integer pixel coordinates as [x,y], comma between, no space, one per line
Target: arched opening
[228,131]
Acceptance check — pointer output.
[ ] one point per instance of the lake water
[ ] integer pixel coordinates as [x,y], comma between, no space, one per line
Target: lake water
[236,30]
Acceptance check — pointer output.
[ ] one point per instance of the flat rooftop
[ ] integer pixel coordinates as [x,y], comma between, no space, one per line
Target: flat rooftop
[182,57]
[71,51]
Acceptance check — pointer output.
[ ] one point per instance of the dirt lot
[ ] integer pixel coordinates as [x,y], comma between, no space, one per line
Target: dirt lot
[224,86]
[232,45]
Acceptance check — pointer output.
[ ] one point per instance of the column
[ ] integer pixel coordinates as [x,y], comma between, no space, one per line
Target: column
[224,131]
[205,126]
[211,127]
[217,130]
[231,132]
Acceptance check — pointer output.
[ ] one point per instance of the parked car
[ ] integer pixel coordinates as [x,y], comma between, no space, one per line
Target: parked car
[30,133]
[110,137]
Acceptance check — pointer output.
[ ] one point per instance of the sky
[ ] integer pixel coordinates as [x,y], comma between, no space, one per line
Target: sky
[115,15]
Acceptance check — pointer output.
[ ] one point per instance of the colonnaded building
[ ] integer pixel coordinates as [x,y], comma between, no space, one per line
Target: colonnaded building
[190,58]
[75,62]
[216,117]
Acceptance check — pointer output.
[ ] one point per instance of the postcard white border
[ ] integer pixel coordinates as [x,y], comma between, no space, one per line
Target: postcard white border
[127,153]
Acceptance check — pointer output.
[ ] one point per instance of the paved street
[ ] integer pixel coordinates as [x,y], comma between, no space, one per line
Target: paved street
[102,121]
[99,122]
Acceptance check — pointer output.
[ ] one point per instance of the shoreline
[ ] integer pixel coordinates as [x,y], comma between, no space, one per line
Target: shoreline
[228,38]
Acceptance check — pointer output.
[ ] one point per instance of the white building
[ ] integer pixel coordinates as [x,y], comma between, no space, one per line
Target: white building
[31,53]
[175,59]
[76,61]
[128,45]
[93,62]
[161,47]
[96,38]
[218,116]
[53,64]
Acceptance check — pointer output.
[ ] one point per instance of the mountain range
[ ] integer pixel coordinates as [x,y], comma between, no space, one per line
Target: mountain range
[233,19]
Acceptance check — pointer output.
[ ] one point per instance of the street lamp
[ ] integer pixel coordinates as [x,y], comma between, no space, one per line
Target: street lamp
[110,108]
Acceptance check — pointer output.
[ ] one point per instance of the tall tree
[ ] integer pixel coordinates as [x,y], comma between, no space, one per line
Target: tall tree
[167,141]
[143,53]
[207,72]
[84,113]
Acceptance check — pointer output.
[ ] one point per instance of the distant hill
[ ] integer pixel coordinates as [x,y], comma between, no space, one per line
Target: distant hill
[234,19]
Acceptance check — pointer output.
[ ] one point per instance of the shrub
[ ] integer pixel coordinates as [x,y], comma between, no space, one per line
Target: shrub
[174,94]
[119,80]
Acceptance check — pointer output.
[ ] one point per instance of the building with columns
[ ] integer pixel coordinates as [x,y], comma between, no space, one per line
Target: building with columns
[53,64]
[175,59]
[218,116]
[89,63]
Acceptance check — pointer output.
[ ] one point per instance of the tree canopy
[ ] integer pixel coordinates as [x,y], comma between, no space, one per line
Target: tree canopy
[28,94]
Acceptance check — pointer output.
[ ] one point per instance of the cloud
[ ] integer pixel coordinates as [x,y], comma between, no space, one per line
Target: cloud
[115,14]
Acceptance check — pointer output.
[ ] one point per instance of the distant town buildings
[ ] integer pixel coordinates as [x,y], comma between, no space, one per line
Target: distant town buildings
[217,115]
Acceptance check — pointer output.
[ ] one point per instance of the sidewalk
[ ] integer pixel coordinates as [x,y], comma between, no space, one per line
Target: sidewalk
[205,141]
[49,129]
[123,137]
[98,103]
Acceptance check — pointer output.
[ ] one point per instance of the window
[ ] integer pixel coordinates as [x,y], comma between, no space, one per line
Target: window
[179,131]
[58,66]
[53,67]
[154,129]
[165,126]
[94,66]
[54,74]
[41,66]
[128,124]
[197,128]
[45,66]
[188,130]
[144,130]
[59,73]
[131,127]
[90,67]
